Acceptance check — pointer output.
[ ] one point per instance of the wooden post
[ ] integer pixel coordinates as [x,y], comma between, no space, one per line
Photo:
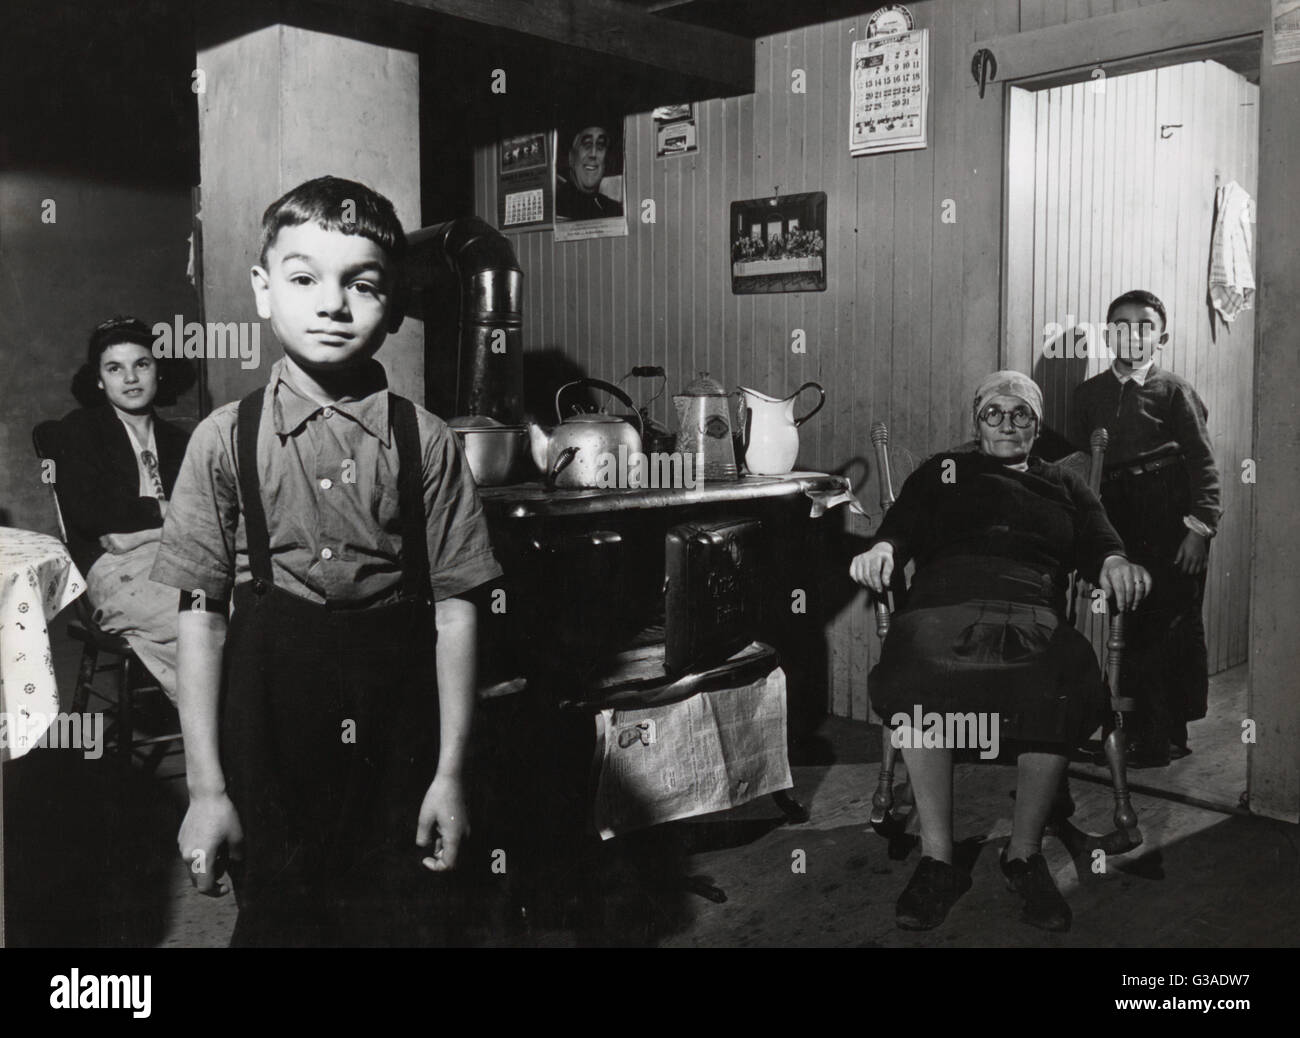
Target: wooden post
[281,104]
[1273,769]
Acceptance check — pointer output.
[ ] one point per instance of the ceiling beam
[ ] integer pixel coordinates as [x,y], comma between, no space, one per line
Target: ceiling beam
[607,27]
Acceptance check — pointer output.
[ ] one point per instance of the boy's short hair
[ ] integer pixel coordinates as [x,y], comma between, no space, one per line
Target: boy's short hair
[339,205]
[1143,298]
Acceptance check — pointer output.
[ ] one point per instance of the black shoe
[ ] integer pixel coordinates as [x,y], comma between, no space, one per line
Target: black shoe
[1144,756]
[1044,906]
[933,889]
[1177,751]
[1147,753]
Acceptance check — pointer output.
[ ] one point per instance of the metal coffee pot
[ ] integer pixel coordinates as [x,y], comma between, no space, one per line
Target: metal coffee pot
[704,428]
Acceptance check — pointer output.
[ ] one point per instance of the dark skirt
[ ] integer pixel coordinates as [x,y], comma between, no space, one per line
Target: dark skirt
[986,635]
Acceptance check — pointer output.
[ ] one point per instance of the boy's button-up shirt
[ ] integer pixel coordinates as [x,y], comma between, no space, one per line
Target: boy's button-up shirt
[328,476]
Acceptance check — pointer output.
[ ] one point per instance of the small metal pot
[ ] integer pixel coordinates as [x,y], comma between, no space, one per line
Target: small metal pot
[492,449]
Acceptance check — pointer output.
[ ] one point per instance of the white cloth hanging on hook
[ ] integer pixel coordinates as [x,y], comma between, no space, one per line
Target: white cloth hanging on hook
[1232,279]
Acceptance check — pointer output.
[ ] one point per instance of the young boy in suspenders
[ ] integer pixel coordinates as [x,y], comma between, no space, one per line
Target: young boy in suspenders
[324,734]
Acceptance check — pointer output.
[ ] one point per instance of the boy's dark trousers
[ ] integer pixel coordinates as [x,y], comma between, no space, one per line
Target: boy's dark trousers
[329,736]
[1165,662]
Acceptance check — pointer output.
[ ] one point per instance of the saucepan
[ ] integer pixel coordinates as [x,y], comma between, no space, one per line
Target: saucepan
[492,448]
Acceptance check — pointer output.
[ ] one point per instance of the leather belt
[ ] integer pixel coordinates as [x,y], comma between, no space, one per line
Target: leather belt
[1143,467]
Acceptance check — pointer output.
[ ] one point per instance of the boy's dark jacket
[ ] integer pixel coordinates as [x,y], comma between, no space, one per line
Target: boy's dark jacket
[98,481]
[1162,417]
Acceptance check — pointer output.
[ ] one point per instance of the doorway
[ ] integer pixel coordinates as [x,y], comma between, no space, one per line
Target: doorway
[1113,183]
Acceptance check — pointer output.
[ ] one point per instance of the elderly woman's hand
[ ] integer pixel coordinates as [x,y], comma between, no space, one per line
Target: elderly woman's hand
[873,568]
[1127,582]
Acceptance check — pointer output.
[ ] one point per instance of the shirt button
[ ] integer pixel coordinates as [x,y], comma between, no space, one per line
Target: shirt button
[326,554]
[328,412]
[326,483]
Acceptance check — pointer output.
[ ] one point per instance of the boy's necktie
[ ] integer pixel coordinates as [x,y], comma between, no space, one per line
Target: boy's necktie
[151,466]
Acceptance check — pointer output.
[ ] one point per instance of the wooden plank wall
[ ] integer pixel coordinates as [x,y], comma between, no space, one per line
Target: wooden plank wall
[1098,218]
[903,330]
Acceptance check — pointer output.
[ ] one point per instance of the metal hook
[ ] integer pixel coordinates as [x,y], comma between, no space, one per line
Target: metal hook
[984,67]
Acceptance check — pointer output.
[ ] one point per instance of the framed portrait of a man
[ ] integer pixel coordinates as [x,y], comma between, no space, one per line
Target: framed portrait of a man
[589,181]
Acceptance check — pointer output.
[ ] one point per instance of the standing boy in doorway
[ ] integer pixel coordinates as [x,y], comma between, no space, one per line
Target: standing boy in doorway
[1161,492]
[324,735]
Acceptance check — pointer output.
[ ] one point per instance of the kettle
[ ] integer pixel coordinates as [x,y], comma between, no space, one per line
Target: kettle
[704,428]
[570,456]
[771,431]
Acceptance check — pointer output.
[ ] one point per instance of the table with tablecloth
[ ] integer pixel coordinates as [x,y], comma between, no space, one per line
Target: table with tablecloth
[37,580]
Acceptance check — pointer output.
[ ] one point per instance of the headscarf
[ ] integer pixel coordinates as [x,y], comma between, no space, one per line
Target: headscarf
[1009,383]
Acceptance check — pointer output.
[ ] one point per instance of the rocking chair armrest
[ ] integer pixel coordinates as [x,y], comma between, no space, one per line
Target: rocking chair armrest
[880,606]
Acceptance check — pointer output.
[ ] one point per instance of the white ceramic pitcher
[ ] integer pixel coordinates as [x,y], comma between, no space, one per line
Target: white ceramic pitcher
[770,431]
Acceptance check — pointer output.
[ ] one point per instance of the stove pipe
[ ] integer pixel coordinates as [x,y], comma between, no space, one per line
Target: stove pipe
[484,359]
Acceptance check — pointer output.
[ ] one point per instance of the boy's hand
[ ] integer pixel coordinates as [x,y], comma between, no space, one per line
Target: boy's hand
[211,824]
[1192,553]
[873,568]
[443,809]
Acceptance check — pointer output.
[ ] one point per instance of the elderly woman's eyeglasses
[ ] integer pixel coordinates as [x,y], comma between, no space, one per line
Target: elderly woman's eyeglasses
[1021,416]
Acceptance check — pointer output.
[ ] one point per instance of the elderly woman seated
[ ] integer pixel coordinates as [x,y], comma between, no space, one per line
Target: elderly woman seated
[118,464]
[993,533]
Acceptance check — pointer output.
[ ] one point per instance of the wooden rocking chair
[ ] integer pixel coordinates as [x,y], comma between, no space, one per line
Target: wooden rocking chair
[1126,834]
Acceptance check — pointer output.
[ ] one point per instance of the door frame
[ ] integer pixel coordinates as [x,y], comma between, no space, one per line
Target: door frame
[1166,33]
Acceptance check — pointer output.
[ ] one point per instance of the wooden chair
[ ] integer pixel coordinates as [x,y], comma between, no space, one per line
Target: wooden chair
[1126,834]
[132,677]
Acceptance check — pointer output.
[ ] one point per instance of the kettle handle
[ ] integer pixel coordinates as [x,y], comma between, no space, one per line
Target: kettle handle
[820,403]
[608,387]
[562,462]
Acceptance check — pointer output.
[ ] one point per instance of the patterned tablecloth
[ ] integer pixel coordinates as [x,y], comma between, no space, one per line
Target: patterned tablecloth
[37,579]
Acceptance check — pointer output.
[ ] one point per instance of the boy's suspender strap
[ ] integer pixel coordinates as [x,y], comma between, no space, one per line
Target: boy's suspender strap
[410,496]
[259,540]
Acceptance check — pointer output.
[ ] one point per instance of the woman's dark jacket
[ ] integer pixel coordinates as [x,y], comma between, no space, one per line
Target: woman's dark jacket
[968,504]
[98,481]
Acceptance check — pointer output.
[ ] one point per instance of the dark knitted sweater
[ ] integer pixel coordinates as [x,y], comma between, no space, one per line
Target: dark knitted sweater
[1045,517]
[1161,417]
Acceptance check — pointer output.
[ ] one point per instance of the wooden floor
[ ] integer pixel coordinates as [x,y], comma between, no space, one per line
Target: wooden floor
[1207,875]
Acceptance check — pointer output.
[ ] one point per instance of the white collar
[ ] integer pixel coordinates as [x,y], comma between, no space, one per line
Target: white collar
[1139,373]
[151,444]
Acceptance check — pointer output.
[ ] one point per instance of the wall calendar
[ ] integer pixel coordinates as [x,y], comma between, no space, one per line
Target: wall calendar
[891,92]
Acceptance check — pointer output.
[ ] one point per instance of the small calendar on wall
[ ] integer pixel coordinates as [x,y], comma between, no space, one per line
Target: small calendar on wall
[890,91]
[524,181]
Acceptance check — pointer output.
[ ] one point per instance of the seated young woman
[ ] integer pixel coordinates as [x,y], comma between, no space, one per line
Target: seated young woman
[993,533]
[116,469]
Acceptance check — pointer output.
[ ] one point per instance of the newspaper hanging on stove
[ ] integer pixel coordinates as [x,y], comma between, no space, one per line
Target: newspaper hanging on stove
[711,752]
[890,90]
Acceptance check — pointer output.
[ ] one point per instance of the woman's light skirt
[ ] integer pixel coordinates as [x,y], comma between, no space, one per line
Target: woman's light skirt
[126,602]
